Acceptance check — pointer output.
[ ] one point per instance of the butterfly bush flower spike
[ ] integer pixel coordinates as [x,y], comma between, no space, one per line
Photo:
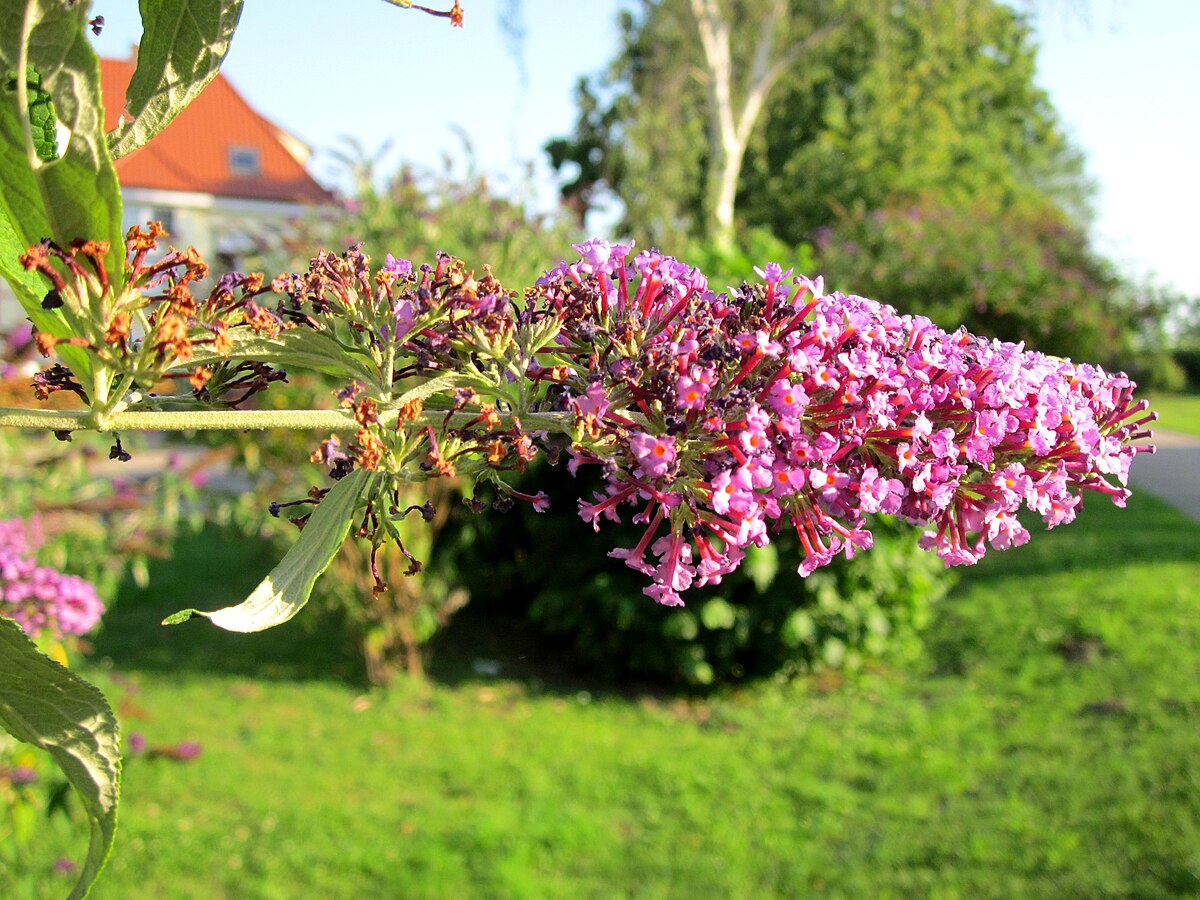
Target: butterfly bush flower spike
[720,420]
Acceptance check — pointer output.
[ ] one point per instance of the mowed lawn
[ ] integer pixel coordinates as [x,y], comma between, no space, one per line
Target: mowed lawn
[1178,412]
[1049,747]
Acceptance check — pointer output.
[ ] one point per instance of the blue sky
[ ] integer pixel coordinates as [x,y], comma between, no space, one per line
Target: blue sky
[1124,77]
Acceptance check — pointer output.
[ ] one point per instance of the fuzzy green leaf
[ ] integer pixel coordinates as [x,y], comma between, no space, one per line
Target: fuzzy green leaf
[285,591]
[183,45]
[42,121]
[48,706]
[298,347]
[433,386]
[75,194]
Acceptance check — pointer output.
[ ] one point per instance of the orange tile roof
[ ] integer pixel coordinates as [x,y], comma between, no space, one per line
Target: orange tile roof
[192,153]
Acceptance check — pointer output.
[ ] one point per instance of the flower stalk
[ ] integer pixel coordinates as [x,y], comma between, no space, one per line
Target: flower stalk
[251,420]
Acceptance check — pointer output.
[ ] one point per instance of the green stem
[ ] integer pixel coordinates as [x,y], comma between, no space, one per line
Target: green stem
[389,372]
[245,420]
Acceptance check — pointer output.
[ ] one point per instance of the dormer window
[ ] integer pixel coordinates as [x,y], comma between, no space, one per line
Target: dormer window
[244,161]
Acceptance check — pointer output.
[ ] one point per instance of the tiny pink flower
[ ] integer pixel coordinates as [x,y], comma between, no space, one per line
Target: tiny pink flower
[653,454]
[594,401]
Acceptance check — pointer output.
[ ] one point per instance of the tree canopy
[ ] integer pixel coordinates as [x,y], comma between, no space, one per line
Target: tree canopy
[883,115]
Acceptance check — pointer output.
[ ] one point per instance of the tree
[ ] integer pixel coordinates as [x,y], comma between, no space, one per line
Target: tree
[932,98]
[733,109]
[692,82]
[915,131]
[813,107]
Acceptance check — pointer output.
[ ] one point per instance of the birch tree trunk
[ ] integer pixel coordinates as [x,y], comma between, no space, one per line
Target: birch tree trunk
[732,115]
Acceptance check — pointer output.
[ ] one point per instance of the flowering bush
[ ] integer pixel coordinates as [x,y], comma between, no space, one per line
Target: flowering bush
[722,418]
[716,420]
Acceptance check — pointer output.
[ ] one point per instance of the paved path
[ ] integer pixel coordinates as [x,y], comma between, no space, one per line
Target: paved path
[1173,473]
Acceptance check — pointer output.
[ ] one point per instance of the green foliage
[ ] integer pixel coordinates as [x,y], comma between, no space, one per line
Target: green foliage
[413,215]
[1189,360]
[183,45]
[1178,412]
[756,247]
[43,704]
[286,589]
[893,101]
[903,102]
[1157,369]
[307,350]
[586,153]
[640,132]
[74,195]
[1019,274]
[758,622]
[911,142]
[43,124]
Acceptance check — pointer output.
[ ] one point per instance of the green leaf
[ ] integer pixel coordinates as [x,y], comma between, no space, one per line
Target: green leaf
[183,45]
[48,706]
[76,194]
[298,347]
[42,121]
[433,386]
[30,287]
[285,591]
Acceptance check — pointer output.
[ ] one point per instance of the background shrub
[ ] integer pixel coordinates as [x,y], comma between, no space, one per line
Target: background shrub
[763,620]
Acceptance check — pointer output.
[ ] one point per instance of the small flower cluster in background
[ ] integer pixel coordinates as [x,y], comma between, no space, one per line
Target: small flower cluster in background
[42,600]
[184,751]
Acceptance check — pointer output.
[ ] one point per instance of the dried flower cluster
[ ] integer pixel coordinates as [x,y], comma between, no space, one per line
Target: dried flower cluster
[154,325]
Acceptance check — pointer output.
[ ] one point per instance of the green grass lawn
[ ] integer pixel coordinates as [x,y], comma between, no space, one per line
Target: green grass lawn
[1050,747]
[1178,412]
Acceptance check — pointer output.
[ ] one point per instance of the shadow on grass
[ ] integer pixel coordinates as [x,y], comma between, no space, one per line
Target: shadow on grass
[484,643]
[219,567]
[209,570]
[481,645]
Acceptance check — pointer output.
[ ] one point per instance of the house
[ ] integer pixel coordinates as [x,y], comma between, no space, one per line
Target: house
[221,177]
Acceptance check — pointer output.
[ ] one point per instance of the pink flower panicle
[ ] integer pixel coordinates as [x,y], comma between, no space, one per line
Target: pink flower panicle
[39,598]
[724,419]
